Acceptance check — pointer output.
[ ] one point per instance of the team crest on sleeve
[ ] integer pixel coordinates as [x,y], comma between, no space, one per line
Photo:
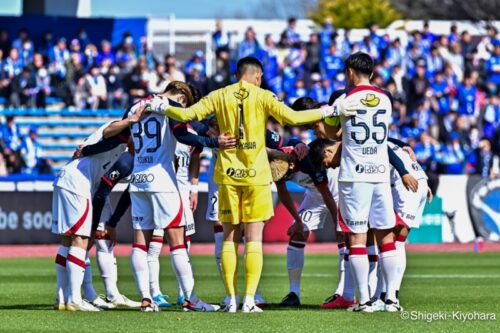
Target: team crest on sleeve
[370,100]
[114,175]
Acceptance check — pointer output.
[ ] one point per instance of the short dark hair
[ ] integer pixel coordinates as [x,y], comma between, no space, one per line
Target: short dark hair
[305,103]
[360,62]
[195,92]
[317,152]
[244,64]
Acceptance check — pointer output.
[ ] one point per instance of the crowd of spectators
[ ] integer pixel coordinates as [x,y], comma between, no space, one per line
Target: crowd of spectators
[446,87]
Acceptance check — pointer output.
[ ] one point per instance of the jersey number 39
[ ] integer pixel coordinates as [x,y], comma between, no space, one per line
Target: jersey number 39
[152,130]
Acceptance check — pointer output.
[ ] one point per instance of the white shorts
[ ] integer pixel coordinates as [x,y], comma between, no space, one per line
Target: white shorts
[71,213]
[409,206]
[213,202]
[156,210]
[365,205]
[188,213]
[313,211]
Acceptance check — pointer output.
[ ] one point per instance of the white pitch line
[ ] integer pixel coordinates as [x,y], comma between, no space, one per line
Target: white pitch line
[411,276]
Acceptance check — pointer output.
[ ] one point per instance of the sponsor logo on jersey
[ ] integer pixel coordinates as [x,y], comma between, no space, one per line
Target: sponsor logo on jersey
[241,173]
[241,94]
[415,166]
[247,145]
[225,211]
[355,222]
[370,100]
[142,178]
[370,168]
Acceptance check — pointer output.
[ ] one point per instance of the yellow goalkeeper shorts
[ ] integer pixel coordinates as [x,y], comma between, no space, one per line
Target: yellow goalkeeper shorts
[245,203]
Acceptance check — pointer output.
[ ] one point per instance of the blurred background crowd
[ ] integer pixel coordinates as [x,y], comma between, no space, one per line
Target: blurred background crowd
[446,87]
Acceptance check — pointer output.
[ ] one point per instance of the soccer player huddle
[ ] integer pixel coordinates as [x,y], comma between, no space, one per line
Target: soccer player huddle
[370,184]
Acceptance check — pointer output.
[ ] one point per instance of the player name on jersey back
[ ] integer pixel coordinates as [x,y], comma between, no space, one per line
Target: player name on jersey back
[82,175]
[154,147]
[364,137]
[412,167]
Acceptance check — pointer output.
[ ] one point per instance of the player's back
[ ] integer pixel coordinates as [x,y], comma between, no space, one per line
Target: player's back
[241,111]
[83,175]
[364,137]
[411,166]
[154,147]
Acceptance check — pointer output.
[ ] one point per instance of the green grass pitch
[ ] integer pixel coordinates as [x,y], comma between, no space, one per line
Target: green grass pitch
[436,282]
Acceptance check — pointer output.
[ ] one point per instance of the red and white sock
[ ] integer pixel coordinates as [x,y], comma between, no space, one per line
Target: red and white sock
[360,267]
[183,271]
[218,240]
[340,285]
[75,267]
[401,250]
[295,264]
[389,261]
[139,262]
[106,262]
[88,288]
[349,286]
[154,250]
[61,274]
[372,273]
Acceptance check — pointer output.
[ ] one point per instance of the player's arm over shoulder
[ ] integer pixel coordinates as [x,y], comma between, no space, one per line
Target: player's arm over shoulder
[286,115]
[201,110]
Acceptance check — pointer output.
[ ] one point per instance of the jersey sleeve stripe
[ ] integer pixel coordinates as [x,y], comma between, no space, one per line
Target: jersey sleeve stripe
[107,181]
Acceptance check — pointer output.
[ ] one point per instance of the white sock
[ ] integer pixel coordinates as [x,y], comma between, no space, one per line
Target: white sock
[295,264]
[389,262]
[218,239]
[75,267]
[139,263]
[106,262]
[358,258]
[340,285]
[88,288]
[183,271]
[401,249]
[62,274]
[372,273]
[349,287]
[154,265]
[380,283]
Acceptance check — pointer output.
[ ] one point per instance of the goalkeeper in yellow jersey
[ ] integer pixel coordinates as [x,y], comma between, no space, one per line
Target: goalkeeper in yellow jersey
[243,173]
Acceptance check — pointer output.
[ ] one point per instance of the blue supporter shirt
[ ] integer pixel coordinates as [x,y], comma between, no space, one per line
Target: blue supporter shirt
[466,100]
[493,65]
[441,88]
[332,65]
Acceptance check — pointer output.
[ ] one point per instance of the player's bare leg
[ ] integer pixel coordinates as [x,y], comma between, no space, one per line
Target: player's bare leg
[253,264]
[358,259]
[295,264]
[184,272]
[140,268]
[61,273]
[229,263]
[389,264]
